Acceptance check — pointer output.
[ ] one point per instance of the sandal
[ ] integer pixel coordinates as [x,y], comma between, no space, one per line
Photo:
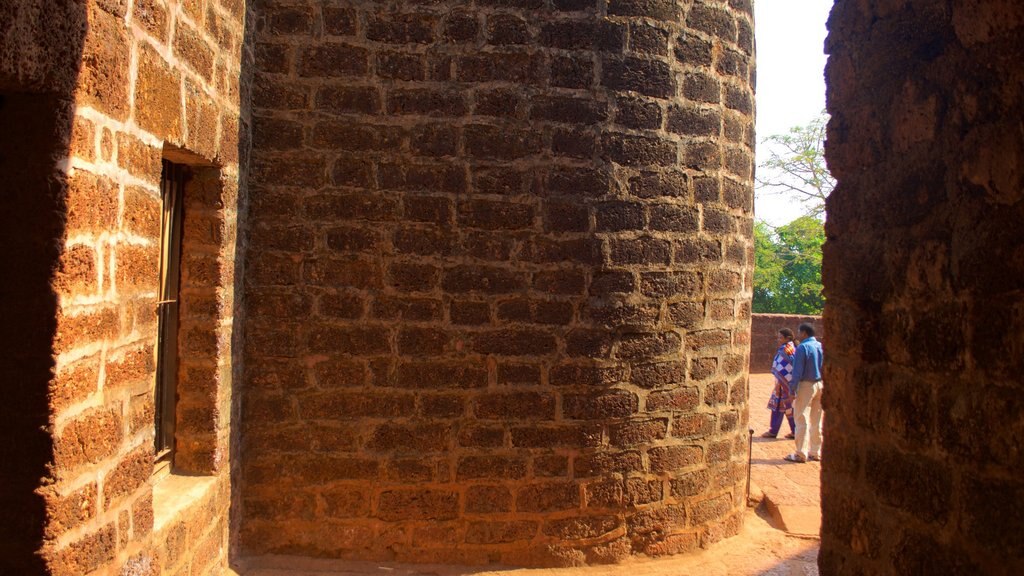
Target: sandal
[814,458]
[768,435]
[795,458]
[790,436]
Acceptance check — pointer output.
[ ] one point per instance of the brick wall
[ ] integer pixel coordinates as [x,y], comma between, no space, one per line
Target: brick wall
[499,292]
[764,329]
[125,79]
[923,269]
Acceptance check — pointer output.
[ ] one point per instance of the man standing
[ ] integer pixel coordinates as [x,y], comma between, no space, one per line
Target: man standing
[807,387]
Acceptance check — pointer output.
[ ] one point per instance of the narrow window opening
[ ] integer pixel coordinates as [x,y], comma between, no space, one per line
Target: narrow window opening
[172,188]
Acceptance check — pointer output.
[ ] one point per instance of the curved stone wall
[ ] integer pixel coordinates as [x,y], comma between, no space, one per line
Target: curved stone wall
[925,310]
[500,275]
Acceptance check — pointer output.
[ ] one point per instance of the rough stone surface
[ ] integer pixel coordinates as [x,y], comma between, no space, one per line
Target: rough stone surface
[477,243]
[922,270]
[758,550]
[92,96]
[497,308]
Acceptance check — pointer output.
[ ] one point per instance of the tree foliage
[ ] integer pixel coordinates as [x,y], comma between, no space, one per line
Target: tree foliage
[787,277]
[796,166]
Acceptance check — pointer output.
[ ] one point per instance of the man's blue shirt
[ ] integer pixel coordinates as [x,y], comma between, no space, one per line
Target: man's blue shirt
[807,362]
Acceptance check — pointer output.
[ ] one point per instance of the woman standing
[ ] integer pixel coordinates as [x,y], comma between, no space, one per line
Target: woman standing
[781,402]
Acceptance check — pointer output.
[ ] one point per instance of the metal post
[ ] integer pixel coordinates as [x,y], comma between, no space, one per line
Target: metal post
[750,459]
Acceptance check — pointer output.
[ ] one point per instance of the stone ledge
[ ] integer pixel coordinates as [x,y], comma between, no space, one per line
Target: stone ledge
[175,493]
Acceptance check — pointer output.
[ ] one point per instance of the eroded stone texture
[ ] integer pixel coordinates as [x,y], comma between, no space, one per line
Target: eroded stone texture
[92,94]
[500,279]
[923,269]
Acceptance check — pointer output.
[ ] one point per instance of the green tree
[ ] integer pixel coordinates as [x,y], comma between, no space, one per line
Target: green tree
[767,269]
[787,277]
[796,167]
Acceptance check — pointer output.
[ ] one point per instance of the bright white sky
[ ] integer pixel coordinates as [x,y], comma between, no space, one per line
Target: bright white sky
[790,80]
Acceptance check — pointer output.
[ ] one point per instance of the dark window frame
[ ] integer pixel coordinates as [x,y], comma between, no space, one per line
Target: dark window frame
[173,178]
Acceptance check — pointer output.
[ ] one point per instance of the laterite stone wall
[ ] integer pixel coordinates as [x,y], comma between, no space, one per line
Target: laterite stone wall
[499,288]
[92,94]
[923,269]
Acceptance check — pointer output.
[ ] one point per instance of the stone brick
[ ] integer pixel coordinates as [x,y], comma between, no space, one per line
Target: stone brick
[127,477]
[327,405]
[619,315]
[664,520]
[517,67]
[417,505]
[397,28]
[640,491]
[637,432]
[603,493]
[547,497]
[86,553]
[599,405]
[514,342]
[410,438]
[482,436]
[629,150]
[482,279]
[535,311]
[581,528]
[500,532]
[682,399]
[515,405]
[333,60]
[153,17]
[104,79]
[672,458]
[495,215]
[339,21]
[488,499]
[588,343]
[648,77]
[91,202]
[460,28]
[74,383]
[712,21]
[648,345]
[439,375]
[498,102]
[585,375]
[917,485]
[582,35]
[563,282]
[573,143]
[68,511]
[426,102]
[497,143]
[158,96]
[88,439]
[506,29]
[657,9]
[567,436]
[551,466]
[711,509]
[190,48]
[648,40]
[490,467]
[572,72]
[605,463]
